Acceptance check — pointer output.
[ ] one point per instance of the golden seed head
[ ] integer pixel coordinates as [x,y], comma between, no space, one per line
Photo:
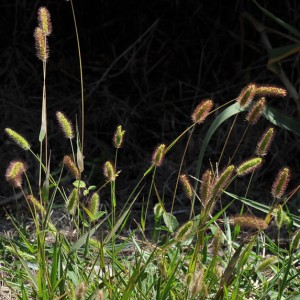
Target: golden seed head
[44,20]
[158,155]
[249,166]
[109,171]
[281,182]
[202,110]
[71,166]
[14,173]
[65,125]
[264,143]
[17,138]
[248,221]
[271,91]
[256,111]
[186,185]
[246,95]
[118,138]
[41,44]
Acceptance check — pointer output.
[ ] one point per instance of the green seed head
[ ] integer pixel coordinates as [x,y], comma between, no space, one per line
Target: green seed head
[17,138]
[44,20]
[249,166]
[109,171]
[119,137]
[222,181]
[264,143]
[246,95]
[14,173]
[202,110]
[256,111]
[65,125]
[73,201]
[158,155]
[281,182]
[186,185]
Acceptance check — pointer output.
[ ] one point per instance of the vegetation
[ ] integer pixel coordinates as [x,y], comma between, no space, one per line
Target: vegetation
[213,254]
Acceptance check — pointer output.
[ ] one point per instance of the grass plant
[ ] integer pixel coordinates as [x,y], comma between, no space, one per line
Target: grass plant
[215,253]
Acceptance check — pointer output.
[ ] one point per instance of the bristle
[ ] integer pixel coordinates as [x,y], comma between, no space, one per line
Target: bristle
[118,138]
[109,171]
[65,125]
[256,111]
[270,91]
[44,20]
[281,182]
[246,95]
[222,181]
[264,143]
[186,185]
[17,138]
[202,110]
[248,221]
[14,173]
[71,166]
[207,182]
[73,201]
[249,166]
[41,44]
[158,155]
[37,205]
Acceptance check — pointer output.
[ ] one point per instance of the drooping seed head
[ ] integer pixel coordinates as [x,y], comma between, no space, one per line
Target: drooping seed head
[222,181]
[187,187]
[73,201]
[14,173]
[41,44]
[270,91]
[158,155]
[44,20]
[249,166]
[118,138]
[36,204]
[71,166]
[264,143]
[202,110]
[246,95]
[17,138]
[248,221]
[109,171]
[281,182]
[65,124]
[256,111]
[207,182]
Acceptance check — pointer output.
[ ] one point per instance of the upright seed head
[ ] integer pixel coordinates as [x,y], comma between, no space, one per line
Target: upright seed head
[109,171]
[248,221]
[71,166]
[186,185]
[246,95]
[36,204]
[118,138]
[41,44]
[65,124]
[94,204]
[73,201]
[264,143]
[14,173]
[198,285]
[222,181]
[202,110]
[44,20]
[249,166]
[158,155]
[207,182]
[281,182]
[17,138]
[256,111]
[270,91]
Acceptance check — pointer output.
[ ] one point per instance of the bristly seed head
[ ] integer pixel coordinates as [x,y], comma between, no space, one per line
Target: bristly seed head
[248,221]
[271,91]
[207,182]
[118,138]
[256,111]
[281,182]
[246,95]
[202,110]
[65,125]
[14,173]
[264,143]
[41,44]
[44,20]
[158,155]
[17,138]
[249,166]
[73,201]
[222,181]
[109,171]
[36,204]
[71,166]
[93,204]
[186,185]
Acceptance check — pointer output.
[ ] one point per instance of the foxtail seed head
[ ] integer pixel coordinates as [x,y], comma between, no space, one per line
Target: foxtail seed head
[17,138]
[264,143]
[118,138]
[270,91]
[202,110]
[281,182]
[256,111]
[186,185]
[36,204]
[41,44]
[65,125]
[249,166]
[109,171]
[248,221]
[158,155]
[44,20]
[73,201]
[71,166]
[14,173]
[94,204]
[206,187]
[246,95]
[222,181]
[80,291]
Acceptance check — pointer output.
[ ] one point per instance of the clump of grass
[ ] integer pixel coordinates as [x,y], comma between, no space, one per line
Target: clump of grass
[204,257]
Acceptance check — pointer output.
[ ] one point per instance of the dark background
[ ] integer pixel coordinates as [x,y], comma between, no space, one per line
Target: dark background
[146,65]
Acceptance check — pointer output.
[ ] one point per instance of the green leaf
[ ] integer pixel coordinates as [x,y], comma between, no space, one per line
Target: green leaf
[170,221]
[79,184]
